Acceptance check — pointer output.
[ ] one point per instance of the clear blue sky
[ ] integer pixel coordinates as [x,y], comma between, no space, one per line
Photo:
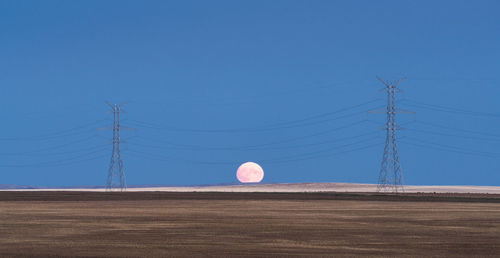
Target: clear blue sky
[212,84]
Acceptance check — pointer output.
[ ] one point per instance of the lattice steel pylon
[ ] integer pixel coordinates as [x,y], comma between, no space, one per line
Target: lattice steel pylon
[391,174]
[116,176]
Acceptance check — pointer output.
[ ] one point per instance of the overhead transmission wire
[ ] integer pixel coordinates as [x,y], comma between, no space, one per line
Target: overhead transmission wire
[51,148]
[246,130]
[62,162]
[457,129]
[45,154]
[314,154]
[453,135]
[445,109]
[424,143]
[442,147]
[427,146]
[264,146]
[275,126]
[256,147]
[154,156]
[274,160]
[323,155]
[49,136]
[261,145]
[309,87]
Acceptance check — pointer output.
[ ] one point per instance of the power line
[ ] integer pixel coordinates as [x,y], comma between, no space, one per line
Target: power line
[457,129]
[317,143]
[452,110]
[304,89]
[327,155]
[427,146]
[276,126]
[290,158]
[244,130]
[453,135]
[253,146]
[44,154]
[55,135]
[44,150]
[450,147]
[314,154]
[60,162]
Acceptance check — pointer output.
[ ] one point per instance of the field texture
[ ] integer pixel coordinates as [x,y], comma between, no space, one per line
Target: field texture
[247,224]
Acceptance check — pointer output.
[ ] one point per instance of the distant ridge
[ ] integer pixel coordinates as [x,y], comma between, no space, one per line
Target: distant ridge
[7,186]
[3,186]
[281,187]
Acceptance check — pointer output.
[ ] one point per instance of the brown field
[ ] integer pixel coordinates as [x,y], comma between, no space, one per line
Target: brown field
[248,224]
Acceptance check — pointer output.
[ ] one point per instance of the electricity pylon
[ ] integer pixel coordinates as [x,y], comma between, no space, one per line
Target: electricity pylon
[116,176]
[391,174]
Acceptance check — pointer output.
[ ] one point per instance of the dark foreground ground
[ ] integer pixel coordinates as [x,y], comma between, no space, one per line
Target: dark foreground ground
[248,224]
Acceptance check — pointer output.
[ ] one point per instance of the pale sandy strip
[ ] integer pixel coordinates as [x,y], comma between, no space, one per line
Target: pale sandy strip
[299,187]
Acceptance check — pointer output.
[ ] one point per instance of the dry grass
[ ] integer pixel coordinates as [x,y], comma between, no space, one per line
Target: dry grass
[251,226]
